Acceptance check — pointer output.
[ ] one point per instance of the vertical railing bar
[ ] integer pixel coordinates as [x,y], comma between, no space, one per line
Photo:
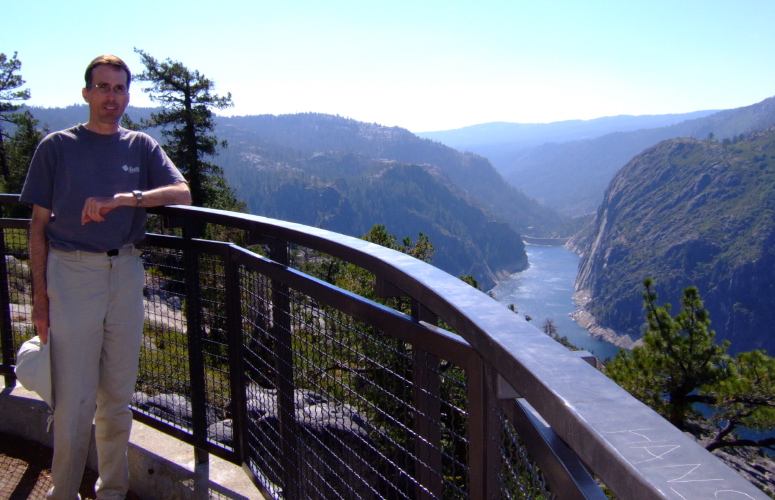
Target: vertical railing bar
[483,438]
[427,415]
[6,328]
[195,335]
[281,327]
[493,455]
[426,396]
[564,471]
[477,431]
[239,406]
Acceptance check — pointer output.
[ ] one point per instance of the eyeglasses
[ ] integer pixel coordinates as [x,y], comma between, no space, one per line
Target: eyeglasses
[104,88]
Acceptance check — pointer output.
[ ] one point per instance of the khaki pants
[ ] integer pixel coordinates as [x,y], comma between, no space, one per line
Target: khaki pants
[96,316]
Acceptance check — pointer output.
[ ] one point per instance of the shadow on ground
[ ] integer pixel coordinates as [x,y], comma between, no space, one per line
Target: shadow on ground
[25,471]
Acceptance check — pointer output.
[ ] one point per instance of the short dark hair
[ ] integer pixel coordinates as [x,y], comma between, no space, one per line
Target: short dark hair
[108,60]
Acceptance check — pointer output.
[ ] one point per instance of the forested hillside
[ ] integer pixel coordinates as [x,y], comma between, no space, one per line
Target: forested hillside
[689,212]
[53,119]
[347,176]
[287,138]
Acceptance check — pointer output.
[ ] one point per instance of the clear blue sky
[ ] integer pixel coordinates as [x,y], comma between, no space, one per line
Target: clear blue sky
[421,65]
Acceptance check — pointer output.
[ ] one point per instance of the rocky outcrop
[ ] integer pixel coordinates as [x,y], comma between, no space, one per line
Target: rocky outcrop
[689,212]
[173,408]
[336,455]
[596,331]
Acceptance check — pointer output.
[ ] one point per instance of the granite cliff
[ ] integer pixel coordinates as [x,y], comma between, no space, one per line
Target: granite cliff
[689,212]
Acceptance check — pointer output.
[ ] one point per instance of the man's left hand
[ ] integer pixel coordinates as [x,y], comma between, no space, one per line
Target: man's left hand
[95,208]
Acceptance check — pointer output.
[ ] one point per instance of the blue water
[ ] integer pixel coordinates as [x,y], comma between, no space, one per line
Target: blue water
[545,290]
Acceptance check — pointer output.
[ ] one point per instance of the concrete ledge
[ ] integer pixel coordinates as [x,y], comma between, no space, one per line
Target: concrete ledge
[160,466]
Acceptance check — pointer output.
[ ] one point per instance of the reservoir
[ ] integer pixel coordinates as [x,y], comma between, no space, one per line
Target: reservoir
[545,290]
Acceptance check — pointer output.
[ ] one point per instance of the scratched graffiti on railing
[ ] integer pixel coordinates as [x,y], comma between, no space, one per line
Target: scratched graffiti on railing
[649,449]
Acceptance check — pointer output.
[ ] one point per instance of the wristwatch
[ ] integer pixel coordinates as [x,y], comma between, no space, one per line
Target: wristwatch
[138,196]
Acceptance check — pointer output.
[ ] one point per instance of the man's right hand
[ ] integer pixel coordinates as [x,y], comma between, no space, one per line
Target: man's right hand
[40,318]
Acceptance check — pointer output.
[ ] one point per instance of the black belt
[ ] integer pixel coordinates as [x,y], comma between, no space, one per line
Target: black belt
[115,252]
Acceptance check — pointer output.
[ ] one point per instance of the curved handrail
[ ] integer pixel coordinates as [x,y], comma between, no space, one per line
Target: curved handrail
[636,453]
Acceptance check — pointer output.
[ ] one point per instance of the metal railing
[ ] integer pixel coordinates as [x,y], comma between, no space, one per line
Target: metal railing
[319,392]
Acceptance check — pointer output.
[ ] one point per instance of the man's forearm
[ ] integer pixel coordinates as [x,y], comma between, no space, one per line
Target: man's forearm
[95,208]
[173,194]
[38,267]
[38,249]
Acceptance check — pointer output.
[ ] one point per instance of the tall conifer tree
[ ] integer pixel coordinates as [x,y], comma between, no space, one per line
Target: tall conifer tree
[680,365]
[187,121]
[11,97]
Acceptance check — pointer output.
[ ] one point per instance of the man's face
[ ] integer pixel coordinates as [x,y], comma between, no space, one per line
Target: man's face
[106,108]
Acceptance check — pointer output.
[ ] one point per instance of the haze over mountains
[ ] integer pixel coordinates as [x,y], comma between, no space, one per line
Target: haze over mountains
[574,162]
[501,142]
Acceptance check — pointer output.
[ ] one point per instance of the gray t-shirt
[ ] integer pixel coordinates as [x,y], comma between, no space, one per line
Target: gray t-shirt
[74,164]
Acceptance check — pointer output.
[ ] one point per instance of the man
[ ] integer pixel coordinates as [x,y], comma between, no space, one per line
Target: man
[88,186]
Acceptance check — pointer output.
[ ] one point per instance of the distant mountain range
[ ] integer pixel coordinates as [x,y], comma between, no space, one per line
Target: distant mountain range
[501,142]
[567,165]
[347,176]
[689,212]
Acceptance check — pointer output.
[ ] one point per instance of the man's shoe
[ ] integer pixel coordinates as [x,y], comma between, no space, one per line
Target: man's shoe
[51,492]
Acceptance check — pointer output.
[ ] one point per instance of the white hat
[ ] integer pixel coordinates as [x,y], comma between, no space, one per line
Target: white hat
[33,368]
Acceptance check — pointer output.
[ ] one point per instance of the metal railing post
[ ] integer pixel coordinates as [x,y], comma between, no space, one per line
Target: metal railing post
[195,335]
[281,330]
[484,458]
[426,397]
[6,328]
[237,384]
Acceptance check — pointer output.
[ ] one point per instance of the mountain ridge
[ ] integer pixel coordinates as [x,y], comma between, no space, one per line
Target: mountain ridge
[567,165]
[534,134]
[689,212]
[571,177]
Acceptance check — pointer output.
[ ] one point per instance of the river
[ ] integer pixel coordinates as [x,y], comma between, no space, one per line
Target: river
[545,290]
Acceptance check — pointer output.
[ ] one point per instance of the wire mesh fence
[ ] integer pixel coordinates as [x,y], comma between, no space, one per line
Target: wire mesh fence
[321,393]
[354,422]
[520,478]
[15,290]
[335,406]
[339,378]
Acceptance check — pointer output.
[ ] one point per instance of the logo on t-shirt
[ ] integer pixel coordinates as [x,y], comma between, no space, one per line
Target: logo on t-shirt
[130,170]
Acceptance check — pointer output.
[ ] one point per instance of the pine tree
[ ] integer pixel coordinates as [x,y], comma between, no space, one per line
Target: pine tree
[10,98]
[679,356]
[680,364]
[745,398]
[19,150]
[187,123]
